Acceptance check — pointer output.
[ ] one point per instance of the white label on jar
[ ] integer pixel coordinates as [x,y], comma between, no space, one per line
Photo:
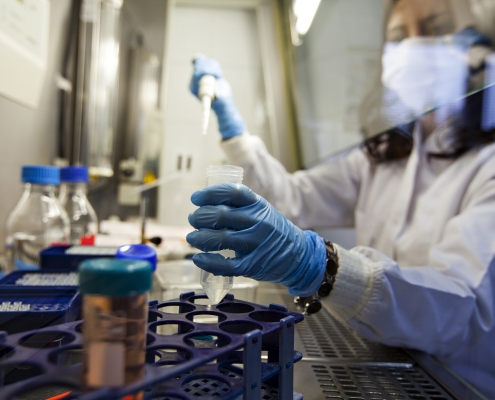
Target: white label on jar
[106,364]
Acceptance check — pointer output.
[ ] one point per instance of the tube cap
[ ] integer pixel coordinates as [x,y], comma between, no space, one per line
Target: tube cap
[77,173]
[114,278]
[40,174]
[138,252]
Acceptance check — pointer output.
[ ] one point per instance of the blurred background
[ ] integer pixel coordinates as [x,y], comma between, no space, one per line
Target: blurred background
[104,83]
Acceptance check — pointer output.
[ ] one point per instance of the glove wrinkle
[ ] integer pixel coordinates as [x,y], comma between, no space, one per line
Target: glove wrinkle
[268,247]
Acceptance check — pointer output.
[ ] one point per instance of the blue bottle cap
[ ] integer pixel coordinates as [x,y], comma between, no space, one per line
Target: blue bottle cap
[138,252]
[76,173]
[114,278]
[40,174]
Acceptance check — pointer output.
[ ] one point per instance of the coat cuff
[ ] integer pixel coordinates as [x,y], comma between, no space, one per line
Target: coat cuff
[353,285]
[241,149]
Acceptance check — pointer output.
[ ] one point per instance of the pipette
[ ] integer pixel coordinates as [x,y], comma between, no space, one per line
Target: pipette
[206,93]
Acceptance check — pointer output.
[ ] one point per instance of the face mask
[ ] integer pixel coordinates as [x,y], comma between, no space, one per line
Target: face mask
[426,73]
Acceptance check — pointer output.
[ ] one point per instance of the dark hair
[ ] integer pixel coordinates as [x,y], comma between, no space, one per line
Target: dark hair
[467,134]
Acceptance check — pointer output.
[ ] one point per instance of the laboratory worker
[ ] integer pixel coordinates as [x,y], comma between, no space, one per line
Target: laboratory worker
[421,197]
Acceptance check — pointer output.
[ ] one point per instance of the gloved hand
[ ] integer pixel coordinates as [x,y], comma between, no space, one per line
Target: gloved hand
[268,246]
[230,122]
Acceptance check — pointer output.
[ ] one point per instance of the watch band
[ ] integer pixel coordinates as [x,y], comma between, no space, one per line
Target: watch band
[312,304]
[330,271]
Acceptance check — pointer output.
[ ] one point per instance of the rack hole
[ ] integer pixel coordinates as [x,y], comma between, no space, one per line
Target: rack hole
[267,316]
[240,327]
[13,373]
[235,308]
[176,308]
[206,317]
[168,328]
[67,357]
[207,340]
[6,352]
[50,339]
[167,356]
[201,300]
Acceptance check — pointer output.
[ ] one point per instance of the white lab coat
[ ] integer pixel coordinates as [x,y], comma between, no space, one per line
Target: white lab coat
[423,273]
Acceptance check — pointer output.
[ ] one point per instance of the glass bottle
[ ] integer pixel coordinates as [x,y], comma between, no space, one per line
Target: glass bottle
[38,220]
[216,287]
[72,196]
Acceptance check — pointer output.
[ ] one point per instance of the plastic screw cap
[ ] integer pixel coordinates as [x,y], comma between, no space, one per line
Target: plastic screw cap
[115,277]
[138,252]
[77,173]
[40,174]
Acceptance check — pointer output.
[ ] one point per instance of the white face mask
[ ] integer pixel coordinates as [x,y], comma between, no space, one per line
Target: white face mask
[425,73]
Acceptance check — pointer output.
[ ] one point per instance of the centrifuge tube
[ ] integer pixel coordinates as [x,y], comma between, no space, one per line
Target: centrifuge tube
[216,287]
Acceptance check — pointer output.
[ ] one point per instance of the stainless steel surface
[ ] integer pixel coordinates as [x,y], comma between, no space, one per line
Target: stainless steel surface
[338,364]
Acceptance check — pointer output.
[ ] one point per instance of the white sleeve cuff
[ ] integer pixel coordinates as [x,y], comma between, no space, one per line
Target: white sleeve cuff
[353,285]
[242,148]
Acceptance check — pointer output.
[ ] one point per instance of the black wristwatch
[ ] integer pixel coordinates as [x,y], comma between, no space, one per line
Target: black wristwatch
[312,304]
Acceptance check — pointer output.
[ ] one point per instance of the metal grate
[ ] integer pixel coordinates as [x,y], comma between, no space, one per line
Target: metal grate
[377,383]
[206,387]
[323,336]
[269,392]
[214,388]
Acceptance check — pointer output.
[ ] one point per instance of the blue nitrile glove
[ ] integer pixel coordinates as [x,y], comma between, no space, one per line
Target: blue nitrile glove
[268,246]
[230,122]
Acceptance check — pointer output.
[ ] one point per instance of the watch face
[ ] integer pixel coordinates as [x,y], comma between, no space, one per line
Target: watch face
[313,307]
[325,289]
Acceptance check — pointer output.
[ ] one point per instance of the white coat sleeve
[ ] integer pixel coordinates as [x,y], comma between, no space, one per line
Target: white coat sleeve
[434,308]
[324,196]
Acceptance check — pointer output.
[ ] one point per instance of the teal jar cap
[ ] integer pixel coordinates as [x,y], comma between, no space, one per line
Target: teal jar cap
[115,277]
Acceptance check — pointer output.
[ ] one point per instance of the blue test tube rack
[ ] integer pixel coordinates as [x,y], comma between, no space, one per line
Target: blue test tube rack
[37,299]
[177,367]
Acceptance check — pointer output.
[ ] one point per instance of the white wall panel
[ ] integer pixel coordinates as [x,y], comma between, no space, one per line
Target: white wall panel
[231,36]
[30,136]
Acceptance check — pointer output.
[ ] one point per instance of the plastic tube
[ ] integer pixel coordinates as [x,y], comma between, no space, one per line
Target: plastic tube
[115,309]
[206,93]
[216,287]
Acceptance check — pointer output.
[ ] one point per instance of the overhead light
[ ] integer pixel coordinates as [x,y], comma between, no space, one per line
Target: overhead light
[304,11]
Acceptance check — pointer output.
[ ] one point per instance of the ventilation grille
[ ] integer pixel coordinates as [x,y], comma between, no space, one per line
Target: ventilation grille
[325,337]
[377,383]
